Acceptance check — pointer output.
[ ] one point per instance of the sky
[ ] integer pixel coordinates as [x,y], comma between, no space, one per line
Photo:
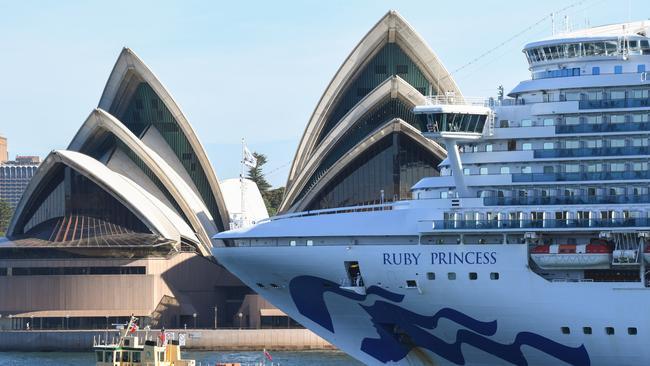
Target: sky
[247,69]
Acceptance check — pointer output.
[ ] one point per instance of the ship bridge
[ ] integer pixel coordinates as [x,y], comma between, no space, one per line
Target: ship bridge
[449,119]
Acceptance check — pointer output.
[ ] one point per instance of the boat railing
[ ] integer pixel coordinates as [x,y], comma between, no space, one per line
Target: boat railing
[338,210]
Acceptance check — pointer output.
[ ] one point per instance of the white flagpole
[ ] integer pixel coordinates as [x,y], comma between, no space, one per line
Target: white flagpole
[241,179]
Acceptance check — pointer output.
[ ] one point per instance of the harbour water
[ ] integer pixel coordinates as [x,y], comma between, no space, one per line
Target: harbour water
[321,358]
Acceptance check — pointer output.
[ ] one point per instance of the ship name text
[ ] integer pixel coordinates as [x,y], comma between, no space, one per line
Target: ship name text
[413,259]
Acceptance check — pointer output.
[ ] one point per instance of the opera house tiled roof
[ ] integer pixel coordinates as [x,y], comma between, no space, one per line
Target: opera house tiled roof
[134,174]
[362,138]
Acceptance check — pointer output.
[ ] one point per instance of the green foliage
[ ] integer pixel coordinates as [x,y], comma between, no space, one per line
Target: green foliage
[5,216]
[272,197]
[256,175]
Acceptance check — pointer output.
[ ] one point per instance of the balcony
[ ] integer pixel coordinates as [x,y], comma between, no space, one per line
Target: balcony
[615,103]
[599,151]
[584,176]
[603,127]
[460,225]
[566,200]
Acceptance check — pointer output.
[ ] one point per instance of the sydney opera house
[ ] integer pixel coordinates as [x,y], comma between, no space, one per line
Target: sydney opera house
[362,139]
[121,221]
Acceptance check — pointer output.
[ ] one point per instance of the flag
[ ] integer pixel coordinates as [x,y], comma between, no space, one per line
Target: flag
[267,355]
[249,158]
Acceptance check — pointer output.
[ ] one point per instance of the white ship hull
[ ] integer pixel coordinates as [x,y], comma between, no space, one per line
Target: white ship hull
[517,319]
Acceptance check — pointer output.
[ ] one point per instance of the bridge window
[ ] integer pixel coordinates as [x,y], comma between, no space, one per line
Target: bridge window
[609,330]
[566,330]
[631,331]
[586,330]
[431,276]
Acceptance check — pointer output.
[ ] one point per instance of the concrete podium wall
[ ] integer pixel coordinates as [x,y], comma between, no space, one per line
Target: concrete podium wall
[208,340]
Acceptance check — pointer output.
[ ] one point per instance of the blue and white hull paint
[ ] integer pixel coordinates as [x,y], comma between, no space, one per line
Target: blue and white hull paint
[515,319]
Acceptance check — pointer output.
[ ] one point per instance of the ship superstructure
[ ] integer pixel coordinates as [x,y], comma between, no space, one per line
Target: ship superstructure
[527,249]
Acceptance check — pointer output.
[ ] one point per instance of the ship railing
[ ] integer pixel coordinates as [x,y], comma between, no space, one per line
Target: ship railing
[460,100]
[444,225]
[338,210]
[566,200]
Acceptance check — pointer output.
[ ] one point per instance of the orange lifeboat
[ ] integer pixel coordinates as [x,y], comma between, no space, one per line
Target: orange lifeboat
[595,255]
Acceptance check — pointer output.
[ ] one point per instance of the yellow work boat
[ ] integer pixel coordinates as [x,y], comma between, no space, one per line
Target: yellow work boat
[129,351]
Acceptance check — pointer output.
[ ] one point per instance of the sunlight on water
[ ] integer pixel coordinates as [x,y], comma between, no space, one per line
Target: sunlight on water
[202,358]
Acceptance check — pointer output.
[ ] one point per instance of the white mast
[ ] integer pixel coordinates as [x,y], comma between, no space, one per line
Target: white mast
[241,180]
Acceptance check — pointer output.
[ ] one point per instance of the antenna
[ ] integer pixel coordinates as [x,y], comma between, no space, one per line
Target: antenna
[552,23]
[567,28]
[629,11]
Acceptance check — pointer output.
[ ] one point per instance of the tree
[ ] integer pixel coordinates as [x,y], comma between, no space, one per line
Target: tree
[272,197]
[256,175]
[5,216]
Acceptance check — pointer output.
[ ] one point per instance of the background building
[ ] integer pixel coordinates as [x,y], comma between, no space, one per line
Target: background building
[363,138]
[15,176]
[121,221]
[4,154]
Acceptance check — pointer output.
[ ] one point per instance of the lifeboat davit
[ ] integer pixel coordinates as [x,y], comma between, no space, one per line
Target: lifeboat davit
[646,253]
[596,255]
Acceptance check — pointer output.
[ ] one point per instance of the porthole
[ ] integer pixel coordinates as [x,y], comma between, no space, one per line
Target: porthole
[631,331]
[566,330]
[494,275]
[274,285]
[411,283]
[609,330]
[260,285]
[586,330]
[473,276]
[431,276]
[451,275]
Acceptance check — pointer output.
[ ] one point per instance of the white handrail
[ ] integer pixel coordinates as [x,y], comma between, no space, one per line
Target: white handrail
[329,211]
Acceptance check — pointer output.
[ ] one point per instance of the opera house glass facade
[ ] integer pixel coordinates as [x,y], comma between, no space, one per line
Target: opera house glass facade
[121,221]
[363,144]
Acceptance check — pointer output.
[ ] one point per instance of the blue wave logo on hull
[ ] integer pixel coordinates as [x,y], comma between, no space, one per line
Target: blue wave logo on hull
[401,330]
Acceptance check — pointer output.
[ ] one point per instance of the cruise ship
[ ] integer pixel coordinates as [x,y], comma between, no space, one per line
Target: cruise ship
[530,248]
